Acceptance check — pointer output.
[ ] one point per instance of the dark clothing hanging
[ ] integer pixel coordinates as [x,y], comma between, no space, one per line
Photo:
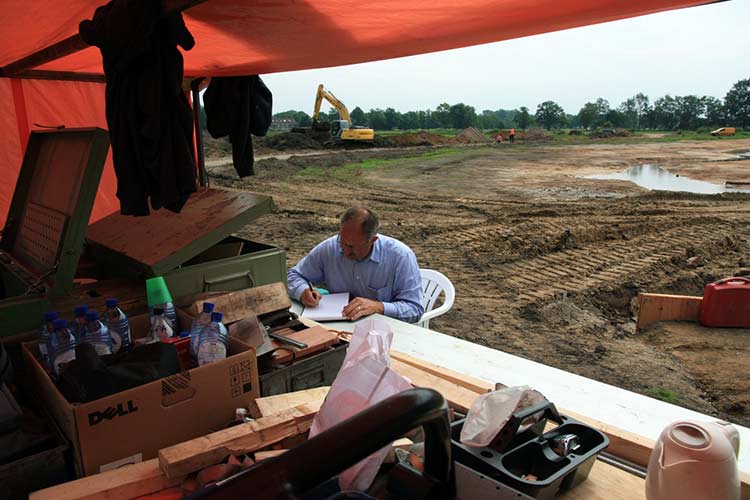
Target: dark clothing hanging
[238,106]
[149,116]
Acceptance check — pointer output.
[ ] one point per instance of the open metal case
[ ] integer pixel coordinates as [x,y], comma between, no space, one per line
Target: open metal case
[46,224]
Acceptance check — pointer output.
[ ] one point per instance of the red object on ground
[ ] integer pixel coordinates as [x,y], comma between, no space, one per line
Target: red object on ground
[726,303]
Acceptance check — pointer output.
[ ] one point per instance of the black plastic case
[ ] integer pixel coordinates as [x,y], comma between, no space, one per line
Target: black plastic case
[526,461]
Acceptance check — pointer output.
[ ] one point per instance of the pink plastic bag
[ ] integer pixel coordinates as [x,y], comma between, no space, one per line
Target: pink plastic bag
[365,378]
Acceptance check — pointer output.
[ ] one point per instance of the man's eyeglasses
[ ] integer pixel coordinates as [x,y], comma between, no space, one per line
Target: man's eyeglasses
[349,246]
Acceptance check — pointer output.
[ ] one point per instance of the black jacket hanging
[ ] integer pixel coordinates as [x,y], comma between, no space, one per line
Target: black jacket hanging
[149,117]
[238,106]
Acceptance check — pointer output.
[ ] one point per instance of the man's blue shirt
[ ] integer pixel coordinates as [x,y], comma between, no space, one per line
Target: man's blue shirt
[390,274]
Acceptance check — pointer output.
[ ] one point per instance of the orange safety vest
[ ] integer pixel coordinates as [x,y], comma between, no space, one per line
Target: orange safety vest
[512,131]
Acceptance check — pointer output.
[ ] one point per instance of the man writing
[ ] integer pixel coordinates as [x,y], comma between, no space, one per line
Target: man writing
[380,273]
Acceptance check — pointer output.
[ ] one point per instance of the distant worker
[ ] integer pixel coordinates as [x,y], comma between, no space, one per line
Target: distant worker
[499,137]
[379,272]
[512,135]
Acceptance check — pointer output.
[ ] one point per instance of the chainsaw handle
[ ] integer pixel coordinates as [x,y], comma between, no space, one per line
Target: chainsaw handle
[345,444]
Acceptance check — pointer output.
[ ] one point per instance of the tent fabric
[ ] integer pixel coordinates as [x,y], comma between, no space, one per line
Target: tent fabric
[235,37]
[49,103]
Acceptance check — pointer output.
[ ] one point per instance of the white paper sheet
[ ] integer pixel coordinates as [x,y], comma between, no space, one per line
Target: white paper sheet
[328,309]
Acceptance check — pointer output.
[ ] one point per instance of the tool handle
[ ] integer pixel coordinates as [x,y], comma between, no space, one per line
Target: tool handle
[287,340]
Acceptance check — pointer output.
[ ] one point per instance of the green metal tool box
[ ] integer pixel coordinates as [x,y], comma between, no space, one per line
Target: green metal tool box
[193,250]
[43,235]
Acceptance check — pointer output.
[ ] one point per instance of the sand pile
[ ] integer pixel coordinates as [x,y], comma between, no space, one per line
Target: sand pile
[472,135]
[420,138]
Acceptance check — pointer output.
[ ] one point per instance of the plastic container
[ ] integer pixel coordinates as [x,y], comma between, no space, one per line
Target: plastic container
[62,345]
[44,334]
[533,463]
[96,334]
[199,323]
[79,320]
[695,460]
[119,327]
[726,303]
[158,296]
[161,327]
[212,344]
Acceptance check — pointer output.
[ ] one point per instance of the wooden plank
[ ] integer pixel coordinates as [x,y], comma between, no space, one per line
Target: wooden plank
[271,405]
[471,383]
[459,398]
[606,482]
[196,454]
[264,455]
[316,338]
[247,302]
[124,483]
[654,307]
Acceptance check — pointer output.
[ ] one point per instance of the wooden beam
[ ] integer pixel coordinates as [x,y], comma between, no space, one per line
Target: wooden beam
[241,304]
[69,76]
[459,398]
[271,405]
[466,381]
[119,484]
[75,43]
[655,307]
[196,454]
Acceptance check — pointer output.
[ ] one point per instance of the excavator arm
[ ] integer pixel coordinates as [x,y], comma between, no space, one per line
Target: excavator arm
[338,105]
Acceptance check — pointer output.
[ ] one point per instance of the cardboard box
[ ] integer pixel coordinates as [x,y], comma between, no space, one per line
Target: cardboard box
[131,426]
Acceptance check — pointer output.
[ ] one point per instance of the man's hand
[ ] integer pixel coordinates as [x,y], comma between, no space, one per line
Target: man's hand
[310,298]
[361,307]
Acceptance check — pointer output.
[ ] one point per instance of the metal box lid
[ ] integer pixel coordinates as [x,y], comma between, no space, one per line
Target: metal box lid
[46,224]
[154,245]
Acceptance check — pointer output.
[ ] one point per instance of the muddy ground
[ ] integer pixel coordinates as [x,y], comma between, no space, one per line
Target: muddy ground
[546,265]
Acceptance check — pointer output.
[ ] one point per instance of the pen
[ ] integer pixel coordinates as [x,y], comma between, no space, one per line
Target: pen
[312,289]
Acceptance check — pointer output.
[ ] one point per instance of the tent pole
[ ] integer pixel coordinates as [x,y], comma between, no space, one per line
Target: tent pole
[75,43]
[195,88]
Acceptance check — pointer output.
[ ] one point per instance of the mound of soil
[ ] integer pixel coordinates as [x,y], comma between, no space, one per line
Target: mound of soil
[472,135]
[534,134]
[289,140]
[603,133]
[420,138]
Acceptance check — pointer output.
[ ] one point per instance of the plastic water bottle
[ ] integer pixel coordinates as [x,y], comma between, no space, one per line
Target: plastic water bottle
[119,327]
[96,334]
[169,313]
[44,334]
[212,345]
[80,320]
[62,345]
[161,327]
[199,323]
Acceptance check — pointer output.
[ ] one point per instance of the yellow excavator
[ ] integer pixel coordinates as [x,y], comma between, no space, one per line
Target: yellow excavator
[341,129]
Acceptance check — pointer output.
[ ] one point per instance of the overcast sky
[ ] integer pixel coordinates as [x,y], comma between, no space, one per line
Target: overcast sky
[702,50]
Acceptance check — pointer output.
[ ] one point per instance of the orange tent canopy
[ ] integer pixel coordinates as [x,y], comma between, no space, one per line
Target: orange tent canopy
[236,37]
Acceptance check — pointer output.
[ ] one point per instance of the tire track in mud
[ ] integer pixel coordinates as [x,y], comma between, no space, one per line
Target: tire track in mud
[583,269]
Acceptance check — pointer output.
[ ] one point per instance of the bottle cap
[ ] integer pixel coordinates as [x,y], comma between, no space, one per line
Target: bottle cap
[81,310]
[184,334]
[216,316]
[50,316]
[59,324]
[158,311]
[208,307]
[112,302]
[157,291]
[92,315]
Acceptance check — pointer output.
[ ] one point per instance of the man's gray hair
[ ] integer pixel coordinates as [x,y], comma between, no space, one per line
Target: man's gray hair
[366,217]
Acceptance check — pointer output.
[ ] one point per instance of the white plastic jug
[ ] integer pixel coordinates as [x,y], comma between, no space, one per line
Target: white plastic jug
[695,461]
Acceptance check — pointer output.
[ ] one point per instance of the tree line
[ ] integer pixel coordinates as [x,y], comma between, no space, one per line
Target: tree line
[688,112]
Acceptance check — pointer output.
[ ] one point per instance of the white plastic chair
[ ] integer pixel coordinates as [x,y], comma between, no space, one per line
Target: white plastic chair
[433,284]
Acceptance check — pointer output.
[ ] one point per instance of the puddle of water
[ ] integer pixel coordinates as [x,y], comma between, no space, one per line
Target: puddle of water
[656,178]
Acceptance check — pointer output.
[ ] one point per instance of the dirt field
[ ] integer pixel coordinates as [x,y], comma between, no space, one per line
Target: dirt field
[546,265]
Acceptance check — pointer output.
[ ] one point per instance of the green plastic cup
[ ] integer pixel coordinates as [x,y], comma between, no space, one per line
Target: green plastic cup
[157,291]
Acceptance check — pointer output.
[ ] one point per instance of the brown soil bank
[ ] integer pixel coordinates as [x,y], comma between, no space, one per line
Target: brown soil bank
[547,265]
